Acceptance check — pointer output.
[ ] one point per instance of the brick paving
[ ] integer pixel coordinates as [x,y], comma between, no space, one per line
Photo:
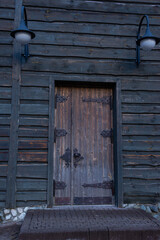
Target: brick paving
[89,223]
[10,231]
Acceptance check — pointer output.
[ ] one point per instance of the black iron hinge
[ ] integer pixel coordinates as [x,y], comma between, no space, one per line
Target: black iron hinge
[108,133]
[59,133]
[60,99]
[103,100]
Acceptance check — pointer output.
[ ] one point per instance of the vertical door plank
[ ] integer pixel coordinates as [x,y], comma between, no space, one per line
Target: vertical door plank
[62,171]
[13,145]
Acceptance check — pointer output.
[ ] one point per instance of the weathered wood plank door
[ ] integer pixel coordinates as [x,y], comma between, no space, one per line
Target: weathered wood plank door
[83,158]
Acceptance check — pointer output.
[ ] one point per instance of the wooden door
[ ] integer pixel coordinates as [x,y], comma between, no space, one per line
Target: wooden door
[83,159]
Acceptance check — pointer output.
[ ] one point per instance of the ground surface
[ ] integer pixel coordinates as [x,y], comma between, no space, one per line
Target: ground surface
[89,223]
[10,231]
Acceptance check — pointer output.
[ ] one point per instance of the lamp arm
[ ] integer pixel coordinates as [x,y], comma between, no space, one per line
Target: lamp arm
[138,37]
[24,15]
[24,19]
[140,24]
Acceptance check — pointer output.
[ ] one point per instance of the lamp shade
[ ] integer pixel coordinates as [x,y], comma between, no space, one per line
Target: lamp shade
[23,37]
[148,44]
[23,34]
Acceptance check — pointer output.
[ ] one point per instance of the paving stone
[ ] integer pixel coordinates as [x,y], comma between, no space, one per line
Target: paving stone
[21,216]
[15,219]
[8,217]
[148,209]
[26,209]
[20,210]
[154,208]
[6,211]
[143,207]
[13,212]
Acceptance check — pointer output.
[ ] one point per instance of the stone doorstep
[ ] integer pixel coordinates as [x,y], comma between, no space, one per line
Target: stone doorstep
[18,214]
[66,222]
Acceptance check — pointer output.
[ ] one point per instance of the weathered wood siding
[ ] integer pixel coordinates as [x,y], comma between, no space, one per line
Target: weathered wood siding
[82,41]
[6,50]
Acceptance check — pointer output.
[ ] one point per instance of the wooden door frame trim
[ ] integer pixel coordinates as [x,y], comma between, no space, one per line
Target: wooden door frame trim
[115,83]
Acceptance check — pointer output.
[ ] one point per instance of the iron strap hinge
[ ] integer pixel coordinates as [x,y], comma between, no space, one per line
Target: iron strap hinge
[107,133]
[59,133]
[60,99]
[58,185]
[102,100]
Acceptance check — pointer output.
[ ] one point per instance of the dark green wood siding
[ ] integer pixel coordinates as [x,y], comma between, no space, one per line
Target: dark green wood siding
[82,41]
[6,50]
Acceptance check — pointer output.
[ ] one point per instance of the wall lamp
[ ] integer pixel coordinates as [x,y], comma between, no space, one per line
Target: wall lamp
[22,34]
[147,41]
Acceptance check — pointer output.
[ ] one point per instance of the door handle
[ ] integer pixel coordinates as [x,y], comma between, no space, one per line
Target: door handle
[67,157]
[77,157]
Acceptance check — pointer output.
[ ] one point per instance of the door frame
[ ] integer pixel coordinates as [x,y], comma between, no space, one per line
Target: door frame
[94,81]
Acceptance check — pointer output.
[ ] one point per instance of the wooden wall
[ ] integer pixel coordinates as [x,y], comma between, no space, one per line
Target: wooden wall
[82,41]
[6,49]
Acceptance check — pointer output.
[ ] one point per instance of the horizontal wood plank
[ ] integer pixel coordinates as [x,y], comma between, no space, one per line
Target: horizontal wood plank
[97,6]
[37,93]
[140,97]
[4,120]
[141,130]
[141,159]
[6,50]
[88,28]
[63,15]
[142,189]
[5,93]
[31,132]
[141,199]
[141,119]
[31,185]
[141,145]
[32,144]
[6,25]
[142,173]
[2,197]
[5,37]
[32,121]
[144,85]
[5,61]
[3,170]
[90,52]
[89,67]
[32,157]
[32,171]
[141,108]
[85,28]
[4,144]
[5,79]
[6,13]
[34,80]
[4,131]
[31,196]
[30,203]
[34,109]
[3,184]
[71,39]
[4,155]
